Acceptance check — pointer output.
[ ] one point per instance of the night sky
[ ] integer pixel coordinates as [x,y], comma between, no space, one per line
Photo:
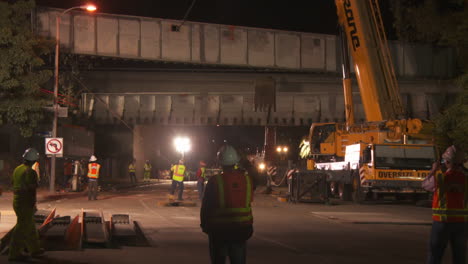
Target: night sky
[317,16]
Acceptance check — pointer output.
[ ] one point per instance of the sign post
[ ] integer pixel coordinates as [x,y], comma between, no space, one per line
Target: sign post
[53,148]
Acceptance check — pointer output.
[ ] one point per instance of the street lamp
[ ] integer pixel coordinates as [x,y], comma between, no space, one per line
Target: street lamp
[89,8]
[182,145]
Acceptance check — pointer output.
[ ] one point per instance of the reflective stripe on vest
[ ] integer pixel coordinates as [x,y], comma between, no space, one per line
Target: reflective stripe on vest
[93,170]
[131,168]
[203,169]
[241,215]
[179,171]
[450,202]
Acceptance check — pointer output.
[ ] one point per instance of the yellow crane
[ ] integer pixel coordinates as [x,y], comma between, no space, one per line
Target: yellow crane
[388,152]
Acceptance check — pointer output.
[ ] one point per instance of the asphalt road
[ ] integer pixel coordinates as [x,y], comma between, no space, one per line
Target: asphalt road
[384,232]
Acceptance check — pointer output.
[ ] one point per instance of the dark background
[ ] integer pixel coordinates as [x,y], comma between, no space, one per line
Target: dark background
[317,16]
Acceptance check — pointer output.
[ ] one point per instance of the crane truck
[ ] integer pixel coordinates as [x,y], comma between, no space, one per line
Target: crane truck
[388,153]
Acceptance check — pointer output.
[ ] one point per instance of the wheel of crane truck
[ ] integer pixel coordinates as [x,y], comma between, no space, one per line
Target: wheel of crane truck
[358,193]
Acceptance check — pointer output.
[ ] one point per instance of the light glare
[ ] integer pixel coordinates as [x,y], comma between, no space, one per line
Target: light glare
[261,166]
[90,8]
[182,144]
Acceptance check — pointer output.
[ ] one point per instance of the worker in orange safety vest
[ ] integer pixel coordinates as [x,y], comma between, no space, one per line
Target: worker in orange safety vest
[449,208]
[93,176]
[178,175]
[226,212]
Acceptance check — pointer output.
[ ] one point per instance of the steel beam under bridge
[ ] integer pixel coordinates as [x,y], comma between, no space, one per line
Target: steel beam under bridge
[189,98]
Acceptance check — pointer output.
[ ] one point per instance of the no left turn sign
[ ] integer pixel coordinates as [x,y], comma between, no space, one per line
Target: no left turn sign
[54,146]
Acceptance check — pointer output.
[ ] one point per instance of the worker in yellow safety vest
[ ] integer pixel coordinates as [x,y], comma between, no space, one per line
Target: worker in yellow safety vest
[147,171]
[24,234]
[201,176]
[35,167]
[131,171]
[226,212]
[178,174]
[93,176]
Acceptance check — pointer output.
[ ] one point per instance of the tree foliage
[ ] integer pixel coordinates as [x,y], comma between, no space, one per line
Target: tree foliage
[441,22]
[21,102]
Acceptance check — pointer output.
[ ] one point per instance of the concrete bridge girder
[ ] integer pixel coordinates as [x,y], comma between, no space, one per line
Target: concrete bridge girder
[227,99]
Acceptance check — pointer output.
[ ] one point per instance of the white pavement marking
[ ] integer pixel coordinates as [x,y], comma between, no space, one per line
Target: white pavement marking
[370,218]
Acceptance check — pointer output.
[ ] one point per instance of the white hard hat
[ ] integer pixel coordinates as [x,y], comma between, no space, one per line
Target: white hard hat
[93,158]
[31,154]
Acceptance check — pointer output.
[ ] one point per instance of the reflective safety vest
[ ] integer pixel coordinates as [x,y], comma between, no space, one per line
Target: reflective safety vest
[450,200]
[131,167]
[234,200]
[93,170]
[178,172]
[203,170]
[147,167]
[35,167]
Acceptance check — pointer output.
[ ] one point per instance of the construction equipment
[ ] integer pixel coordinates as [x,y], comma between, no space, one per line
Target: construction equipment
[391,153]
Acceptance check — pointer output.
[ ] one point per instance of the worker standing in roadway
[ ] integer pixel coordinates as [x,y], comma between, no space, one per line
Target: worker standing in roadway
[131,171]
[226,212]
[178,174]
[449,208]
[147,171]
[24,203]
[93,176]
[201,175]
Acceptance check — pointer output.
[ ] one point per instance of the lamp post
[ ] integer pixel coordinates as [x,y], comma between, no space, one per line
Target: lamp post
[89,8]
[182,145]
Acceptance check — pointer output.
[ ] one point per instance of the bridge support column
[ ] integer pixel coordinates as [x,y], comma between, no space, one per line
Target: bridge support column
[270,143]
[138,150]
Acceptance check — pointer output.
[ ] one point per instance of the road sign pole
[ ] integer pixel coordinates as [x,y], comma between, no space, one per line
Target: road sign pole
[52,174]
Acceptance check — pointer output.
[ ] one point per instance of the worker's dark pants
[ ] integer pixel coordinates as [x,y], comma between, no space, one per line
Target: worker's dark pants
[132,177]
[220,249]
[181,188]
[201,188]
[92,189]
[443,233]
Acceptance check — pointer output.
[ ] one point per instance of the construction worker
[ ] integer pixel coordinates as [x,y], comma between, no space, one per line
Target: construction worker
[201,175]
[178,174]
[93,176]
[226,212]
[449,208]
[24,234]
[67,172]
[131,171]
[147,171]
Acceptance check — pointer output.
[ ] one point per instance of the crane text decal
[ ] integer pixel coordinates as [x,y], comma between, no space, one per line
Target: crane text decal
[352,24]
[401,174]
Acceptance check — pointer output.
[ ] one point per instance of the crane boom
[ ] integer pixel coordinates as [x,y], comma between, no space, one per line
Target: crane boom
[363,27]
